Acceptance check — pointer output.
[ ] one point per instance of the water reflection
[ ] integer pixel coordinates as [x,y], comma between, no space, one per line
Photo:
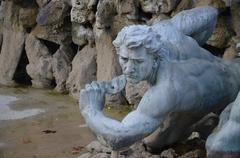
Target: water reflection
[6,113]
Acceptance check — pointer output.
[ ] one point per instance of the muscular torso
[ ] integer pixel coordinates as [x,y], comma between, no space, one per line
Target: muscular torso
[200,84]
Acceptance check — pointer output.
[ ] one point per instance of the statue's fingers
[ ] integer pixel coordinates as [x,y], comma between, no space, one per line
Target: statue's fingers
[88,87]
[95,85]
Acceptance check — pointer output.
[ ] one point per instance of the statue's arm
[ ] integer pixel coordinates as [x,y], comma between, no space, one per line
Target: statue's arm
[198,23]
[135,126]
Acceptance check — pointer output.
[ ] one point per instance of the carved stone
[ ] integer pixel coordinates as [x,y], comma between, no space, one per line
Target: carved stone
[225,141]
[186,81]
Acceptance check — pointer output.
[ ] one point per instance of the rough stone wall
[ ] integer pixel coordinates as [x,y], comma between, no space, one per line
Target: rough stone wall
[68,43]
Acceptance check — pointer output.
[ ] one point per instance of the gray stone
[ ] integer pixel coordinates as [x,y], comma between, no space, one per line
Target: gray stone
[27,16]
[183,5]
[107,65]
[134,92]
[82,11]
[86,155]
[52,13]
[220,5]
[40,62]
[106,9]
[12,45]
[194,154]
[96,147]
[82,35]
[155,6]
[56,35]
[221,35]
[51,25]
[42,3]
[169,153]
[84,69]
[101,155]
[61,65]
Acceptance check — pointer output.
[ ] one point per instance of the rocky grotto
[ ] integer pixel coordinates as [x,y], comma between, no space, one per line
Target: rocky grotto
[66,44]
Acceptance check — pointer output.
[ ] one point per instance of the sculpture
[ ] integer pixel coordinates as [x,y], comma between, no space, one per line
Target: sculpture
[225,141]
[187,82]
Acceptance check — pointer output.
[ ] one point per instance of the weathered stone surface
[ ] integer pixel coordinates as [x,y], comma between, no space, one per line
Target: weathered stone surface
[56,35]
[82,11]
[134,92]
[107,64]
[53,13]
[82,35]
[236,17]
[84,69]
[230,53]
[61,64]
[169,153]
[194,154]
[86,155]
[95,146]
[27,16]
[221,35]
[52,25]
[42,3]
[218,4]
[106,10]
[2,10]
[12,45]
[183,5]
[128,9]
[155,6]
[40,62]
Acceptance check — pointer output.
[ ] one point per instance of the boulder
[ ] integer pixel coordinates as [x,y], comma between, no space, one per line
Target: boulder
[82,35]
[107,64]
[40,62]
[53,24]
[61,64]
[221,35]
[56,35]
[84,68]
[220,5]
[27,16]
[82,11]
[106,10]
[135,92]
[12,45]
[183,5]
[155,6]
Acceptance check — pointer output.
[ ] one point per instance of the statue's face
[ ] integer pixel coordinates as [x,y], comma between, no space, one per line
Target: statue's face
[136,63]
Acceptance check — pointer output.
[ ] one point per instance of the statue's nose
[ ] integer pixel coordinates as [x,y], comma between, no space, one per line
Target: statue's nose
[130,69]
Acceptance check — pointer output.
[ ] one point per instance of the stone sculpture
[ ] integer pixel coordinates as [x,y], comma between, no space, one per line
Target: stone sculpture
[225,142]
[186,81]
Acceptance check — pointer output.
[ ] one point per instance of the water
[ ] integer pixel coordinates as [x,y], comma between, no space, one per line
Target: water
[6,113]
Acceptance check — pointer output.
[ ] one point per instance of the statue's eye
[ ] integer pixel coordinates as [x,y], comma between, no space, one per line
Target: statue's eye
[139,61]
[124,59]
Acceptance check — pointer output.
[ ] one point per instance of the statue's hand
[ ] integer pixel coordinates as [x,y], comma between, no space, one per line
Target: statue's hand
[93,96]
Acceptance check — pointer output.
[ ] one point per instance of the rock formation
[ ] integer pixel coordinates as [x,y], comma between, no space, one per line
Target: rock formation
[49,31]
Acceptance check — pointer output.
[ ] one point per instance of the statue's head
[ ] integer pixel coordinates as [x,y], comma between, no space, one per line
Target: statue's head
[138,50]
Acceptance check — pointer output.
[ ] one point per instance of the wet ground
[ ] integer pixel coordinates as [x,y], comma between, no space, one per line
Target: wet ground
[37,123]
